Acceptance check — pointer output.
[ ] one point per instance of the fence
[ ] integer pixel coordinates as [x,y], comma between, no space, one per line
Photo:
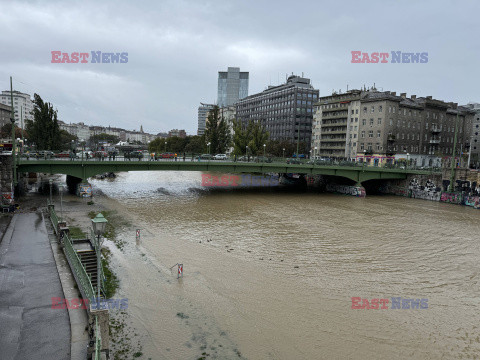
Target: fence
[80,274]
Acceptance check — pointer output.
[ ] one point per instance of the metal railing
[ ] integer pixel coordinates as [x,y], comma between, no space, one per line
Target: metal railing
[98,340]
[54,219]
[76,265]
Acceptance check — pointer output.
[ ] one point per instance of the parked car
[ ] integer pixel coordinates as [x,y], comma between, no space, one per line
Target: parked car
[167,155]
[293,161]
[220,157]
[265,159]
[63,154]
[300,156]
[47,154]
[205,157]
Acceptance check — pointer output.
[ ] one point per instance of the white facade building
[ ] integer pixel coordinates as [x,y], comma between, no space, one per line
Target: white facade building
[22,104]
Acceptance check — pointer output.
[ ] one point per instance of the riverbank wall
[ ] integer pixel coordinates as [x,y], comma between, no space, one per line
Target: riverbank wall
[434,187]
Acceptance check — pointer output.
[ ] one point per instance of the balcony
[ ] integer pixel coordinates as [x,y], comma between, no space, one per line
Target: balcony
[434,141]
[436,130]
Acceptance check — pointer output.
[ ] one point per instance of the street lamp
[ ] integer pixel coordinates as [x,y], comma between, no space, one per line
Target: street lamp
[208,145]
[51,183]
[165,146]
[364,159]
[314,155]
[61,202]
[264,146]
[283,153]
[99,224]
[406,166]
[246,153]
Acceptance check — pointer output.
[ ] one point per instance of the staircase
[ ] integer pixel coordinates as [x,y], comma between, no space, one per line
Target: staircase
[89,261]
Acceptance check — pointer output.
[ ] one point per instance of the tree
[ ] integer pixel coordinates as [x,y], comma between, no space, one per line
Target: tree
[6,132]
[44,130]
[217,132]
[112,139]
[66,140]
[241,137]
[258,138]
[195,145]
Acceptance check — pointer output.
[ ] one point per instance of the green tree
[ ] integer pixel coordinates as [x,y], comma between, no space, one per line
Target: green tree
[66,140]
[6,132]
[241,137]
[195,145]
[96,139]
[44,130]
[258,137]
[217,132]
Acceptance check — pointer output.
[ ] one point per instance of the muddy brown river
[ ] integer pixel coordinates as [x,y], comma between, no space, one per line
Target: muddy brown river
[270,274]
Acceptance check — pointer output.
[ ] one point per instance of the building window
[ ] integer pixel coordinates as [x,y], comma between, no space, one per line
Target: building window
[370,134]
[391,122]
[373,109]
[363,134]
[371,122]
[356,111]
[362,146]
[380,108]
[365,110]
[394,109]
[379,121]
[379,133]
[378,147]
[364,122]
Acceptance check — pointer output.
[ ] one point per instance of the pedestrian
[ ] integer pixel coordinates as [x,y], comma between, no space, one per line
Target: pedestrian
[184,156]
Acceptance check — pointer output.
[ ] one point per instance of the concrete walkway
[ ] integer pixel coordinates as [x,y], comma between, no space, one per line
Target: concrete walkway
[29,327]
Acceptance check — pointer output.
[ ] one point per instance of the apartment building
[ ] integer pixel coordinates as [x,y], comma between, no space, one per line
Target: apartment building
[22,105]
[390,127]
[475,138]
[203,110]
[285,111]
[5,114]
[335,125]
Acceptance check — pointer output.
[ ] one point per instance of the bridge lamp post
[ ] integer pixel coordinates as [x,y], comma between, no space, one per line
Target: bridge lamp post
[364,159]
[246,153]
[51,183]
[99,224]
[406,166]
[314,155]
[208,146]
[283,153]
[165,146]
[264,146]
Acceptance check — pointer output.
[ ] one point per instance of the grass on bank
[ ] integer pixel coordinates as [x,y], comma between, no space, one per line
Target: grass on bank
[77,233]
[111,280]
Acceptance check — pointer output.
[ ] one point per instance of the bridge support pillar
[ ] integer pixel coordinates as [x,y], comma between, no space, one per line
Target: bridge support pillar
[72,183]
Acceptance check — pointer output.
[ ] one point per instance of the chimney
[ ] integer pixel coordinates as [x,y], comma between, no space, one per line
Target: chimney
[429,97]
[394,93]
[403,95]
[413,97]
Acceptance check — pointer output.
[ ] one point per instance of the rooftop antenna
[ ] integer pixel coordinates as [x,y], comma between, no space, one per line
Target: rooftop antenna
[347,87]
[302,73]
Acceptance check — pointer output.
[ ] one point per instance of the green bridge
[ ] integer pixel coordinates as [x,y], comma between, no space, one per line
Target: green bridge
[85,169]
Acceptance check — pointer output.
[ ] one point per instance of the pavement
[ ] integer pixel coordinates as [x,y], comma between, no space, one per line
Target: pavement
[29,327]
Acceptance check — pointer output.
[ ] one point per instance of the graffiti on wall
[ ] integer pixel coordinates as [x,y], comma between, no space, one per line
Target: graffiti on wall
[7,198]
[429,191]
[358,191]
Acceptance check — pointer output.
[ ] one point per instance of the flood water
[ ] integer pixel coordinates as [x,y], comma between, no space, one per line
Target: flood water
[270,274]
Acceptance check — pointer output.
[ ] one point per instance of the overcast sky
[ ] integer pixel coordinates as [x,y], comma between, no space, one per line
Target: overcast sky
[176,48]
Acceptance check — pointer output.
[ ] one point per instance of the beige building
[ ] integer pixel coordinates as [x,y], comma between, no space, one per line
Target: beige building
[335,125]
[383,126]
